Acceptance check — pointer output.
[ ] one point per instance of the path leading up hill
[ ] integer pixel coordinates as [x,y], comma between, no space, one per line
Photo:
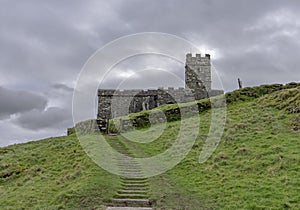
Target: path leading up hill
[134,191]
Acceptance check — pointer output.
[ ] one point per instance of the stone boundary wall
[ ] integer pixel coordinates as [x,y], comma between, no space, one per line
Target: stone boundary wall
[87,127]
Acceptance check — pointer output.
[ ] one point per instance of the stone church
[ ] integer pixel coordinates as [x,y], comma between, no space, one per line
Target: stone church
[115,103]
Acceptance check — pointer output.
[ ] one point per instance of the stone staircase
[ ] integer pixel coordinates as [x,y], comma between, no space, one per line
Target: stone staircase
[134,191]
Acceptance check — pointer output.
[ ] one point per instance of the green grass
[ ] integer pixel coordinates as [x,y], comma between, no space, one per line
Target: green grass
[52,174]
[255,166]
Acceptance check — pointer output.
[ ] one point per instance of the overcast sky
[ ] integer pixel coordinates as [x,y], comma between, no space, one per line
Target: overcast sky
[44,45]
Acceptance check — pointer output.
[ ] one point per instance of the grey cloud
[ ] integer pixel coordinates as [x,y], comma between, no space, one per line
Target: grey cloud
[60,95]
[223,25]
[271,61]
[13,134]
[14,102]
[53,117]
[64,36]
[41,40]
[145,71]
[62,87]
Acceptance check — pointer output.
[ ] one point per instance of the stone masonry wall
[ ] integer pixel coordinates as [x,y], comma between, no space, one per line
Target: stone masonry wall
[117,103]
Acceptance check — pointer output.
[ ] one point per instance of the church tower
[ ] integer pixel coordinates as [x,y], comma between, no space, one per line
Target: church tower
[198,75]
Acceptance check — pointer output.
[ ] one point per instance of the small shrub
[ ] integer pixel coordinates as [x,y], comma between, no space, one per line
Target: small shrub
[243,151]
[220,156]
[295,123]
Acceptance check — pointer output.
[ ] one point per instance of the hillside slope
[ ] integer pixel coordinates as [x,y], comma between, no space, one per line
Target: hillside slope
[52,174]
[256,165]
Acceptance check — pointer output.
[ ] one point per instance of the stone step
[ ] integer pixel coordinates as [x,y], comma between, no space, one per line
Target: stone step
[133,191]
[132,184]
[127,161]
[129,167]
[135,171]
[128,208]
[134,181]
[135,186]
[132,174]
[131,202]
[128,164]
[127,157]
[146,188]
[130,170]
[124,152]
[131,196]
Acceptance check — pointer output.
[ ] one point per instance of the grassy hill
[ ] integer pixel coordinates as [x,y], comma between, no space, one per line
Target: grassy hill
[255,166]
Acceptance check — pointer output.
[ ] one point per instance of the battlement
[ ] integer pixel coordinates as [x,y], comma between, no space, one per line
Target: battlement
[197,55]
[141,92]
[198,58]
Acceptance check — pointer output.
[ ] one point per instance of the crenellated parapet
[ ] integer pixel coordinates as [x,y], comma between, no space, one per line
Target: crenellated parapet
[141,92]
[199,59]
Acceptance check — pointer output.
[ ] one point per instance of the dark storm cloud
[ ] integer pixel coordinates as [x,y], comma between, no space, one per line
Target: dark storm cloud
[14,102]
[44,39]
[53,117]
